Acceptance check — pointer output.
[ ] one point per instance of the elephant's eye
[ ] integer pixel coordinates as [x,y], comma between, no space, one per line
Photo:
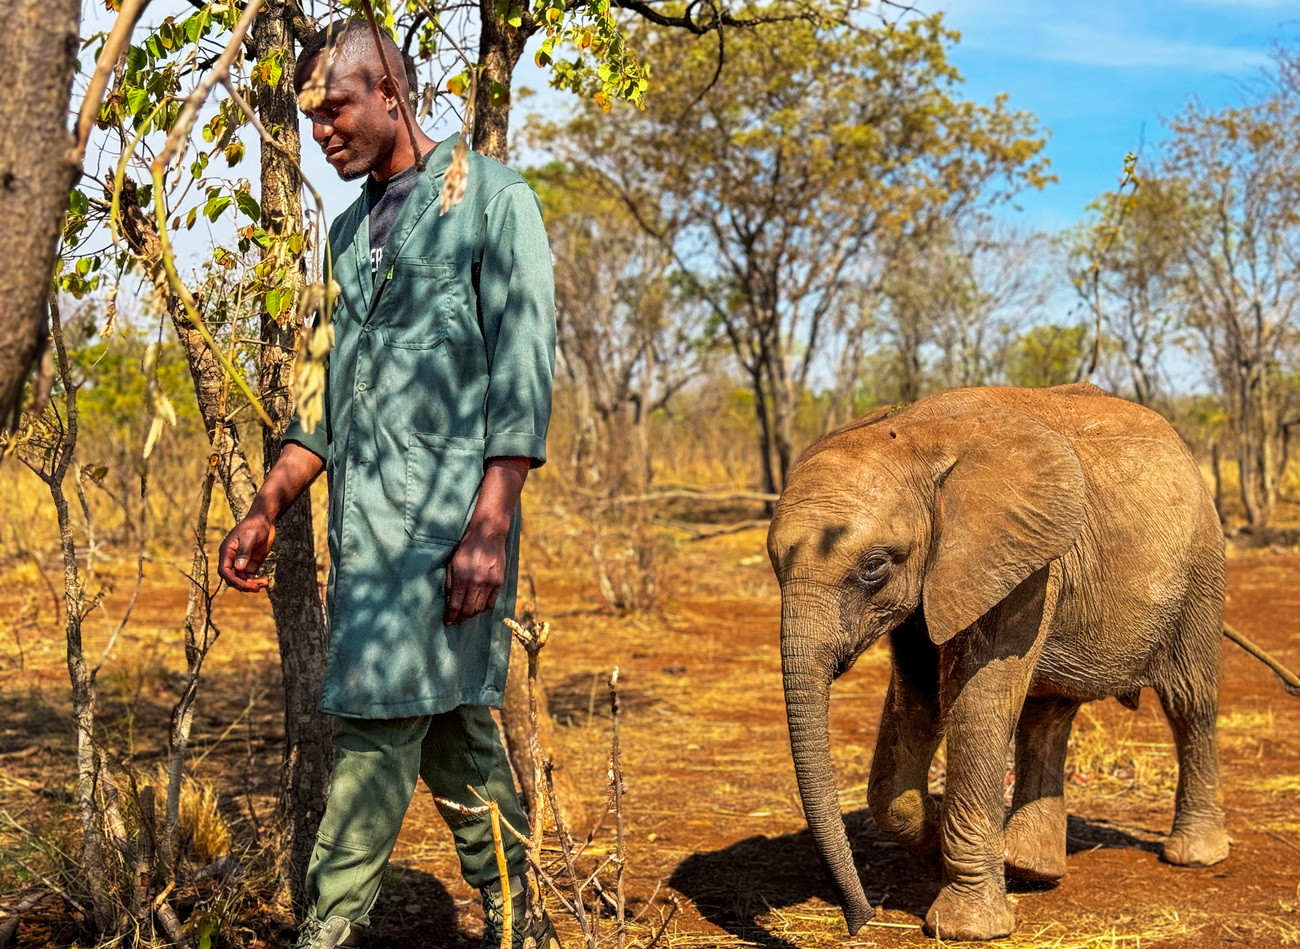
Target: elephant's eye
[874,569]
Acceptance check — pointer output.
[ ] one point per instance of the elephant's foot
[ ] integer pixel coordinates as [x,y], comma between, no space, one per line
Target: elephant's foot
[959,914]
[911,820]
[1035,841]
[1202,846]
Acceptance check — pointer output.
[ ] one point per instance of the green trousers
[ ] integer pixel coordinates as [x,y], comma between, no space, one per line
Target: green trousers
[376,763]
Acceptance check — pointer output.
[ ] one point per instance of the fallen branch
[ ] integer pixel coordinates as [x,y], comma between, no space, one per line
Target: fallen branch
[1290,681]
[10,925]
[709,497]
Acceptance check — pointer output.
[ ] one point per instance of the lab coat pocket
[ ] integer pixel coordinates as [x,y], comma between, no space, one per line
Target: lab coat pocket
[443,475]
[420,296]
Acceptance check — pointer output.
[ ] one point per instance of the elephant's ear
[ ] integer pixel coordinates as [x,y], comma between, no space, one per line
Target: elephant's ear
[1009,500]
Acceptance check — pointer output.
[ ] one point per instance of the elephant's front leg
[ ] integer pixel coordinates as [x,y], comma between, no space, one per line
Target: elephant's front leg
[984,676]
[898,792]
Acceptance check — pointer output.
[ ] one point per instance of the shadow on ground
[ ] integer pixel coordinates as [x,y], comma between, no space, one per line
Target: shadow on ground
[732,888]
[415,910]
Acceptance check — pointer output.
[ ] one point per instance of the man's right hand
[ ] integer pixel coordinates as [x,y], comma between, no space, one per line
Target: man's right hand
[245,548]
[243,552]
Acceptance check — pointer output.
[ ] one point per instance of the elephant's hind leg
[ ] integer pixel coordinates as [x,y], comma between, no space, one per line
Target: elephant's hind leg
[1035,834]
[1198,838]
[898,790]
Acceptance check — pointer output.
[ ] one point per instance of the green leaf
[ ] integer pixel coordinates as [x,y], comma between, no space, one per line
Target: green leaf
[248,204]
[145,195]
[215,205]
[190,218]
[83,266]
[137,99]
[136,59]
[273,301]
[78,203]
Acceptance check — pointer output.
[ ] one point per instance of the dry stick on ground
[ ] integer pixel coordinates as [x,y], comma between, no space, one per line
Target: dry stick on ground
[1290,681]
[616,791]
[10,925]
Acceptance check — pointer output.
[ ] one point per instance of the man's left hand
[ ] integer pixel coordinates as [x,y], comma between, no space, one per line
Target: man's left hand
[475,575]
[478,568]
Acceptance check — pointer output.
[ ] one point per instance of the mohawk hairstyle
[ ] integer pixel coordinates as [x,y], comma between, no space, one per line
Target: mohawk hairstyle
[352,40]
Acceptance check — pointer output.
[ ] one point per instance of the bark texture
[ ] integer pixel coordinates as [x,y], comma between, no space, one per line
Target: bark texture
[499,52]
[295,595]
[38,49]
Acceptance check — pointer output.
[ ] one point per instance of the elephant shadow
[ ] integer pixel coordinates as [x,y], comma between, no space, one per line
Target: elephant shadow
[734,887]
[1082,835]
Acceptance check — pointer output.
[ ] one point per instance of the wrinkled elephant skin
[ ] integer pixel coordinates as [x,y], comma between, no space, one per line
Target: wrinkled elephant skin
[1026,551]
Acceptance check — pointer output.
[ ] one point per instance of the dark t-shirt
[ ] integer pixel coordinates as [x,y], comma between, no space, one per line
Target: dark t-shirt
[386,200]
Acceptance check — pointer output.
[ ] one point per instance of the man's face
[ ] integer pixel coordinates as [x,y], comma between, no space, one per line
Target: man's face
[357,124]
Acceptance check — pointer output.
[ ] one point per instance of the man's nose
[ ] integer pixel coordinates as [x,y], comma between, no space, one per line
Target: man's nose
[321,130]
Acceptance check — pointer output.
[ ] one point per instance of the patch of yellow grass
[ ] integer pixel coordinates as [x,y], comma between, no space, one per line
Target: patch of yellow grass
[1247,720]
[1111,761]
[1276,784]
[203,831]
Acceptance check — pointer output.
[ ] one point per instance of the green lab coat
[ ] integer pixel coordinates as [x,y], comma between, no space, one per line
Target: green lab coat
[441,362]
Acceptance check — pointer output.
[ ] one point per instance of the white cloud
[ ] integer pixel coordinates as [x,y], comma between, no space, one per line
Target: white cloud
[1089,46]
[1111,37]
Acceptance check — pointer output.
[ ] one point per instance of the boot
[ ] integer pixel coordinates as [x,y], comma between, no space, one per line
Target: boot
[335,933]
[531,930]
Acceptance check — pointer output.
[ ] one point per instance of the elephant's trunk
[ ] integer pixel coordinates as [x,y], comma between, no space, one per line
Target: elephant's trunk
[808,666]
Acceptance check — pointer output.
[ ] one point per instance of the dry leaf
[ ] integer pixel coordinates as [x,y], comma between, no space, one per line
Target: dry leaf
[453,186]
[309,375]
[426,101]
[110,315]
[312,93]
[159,406]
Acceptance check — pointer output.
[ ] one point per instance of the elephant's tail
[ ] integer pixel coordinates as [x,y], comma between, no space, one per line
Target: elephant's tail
[1290,681]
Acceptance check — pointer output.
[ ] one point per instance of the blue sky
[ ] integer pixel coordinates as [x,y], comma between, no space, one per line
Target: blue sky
[1102,73]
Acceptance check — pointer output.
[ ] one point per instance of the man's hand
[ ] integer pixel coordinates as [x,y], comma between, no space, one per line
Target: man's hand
[243,552]
[478,568]
[245,548]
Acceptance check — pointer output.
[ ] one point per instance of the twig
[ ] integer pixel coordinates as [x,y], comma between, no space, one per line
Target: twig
[403,103]
[1290,681]
[616,789]
[119,38]
[676,908]
[503,870]
[10,925]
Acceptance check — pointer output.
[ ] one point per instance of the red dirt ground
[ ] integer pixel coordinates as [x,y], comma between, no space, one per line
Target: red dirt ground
[714,814]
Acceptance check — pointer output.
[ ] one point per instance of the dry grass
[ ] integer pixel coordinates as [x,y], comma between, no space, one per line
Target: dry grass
[1109,760]
[205,835]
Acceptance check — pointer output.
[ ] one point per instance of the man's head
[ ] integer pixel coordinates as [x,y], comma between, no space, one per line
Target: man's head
[359,123]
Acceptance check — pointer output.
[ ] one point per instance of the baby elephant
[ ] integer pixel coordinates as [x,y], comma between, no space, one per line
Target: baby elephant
[1026,550]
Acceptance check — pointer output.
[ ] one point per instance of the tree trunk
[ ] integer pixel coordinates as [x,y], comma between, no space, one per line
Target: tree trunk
[295,595]
[1246,455]
[38,51]
[498,53]
[1217,468]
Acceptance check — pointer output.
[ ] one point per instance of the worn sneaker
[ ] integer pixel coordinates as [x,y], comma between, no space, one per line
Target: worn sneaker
[335,933]
[531,930]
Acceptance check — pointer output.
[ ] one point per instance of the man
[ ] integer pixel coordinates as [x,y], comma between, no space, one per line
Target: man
[437,404]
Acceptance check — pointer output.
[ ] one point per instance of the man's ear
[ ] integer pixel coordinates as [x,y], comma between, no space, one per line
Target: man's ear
[392,95]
